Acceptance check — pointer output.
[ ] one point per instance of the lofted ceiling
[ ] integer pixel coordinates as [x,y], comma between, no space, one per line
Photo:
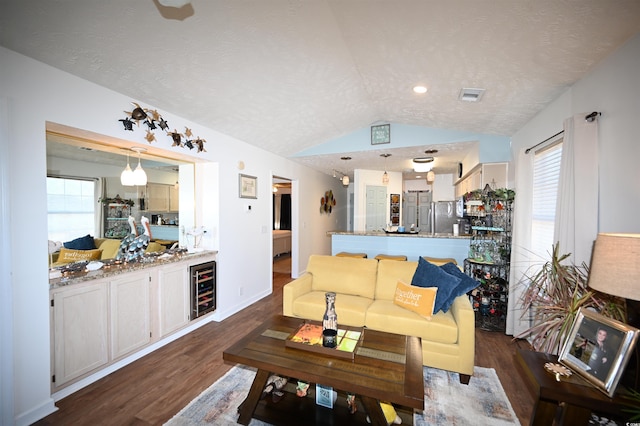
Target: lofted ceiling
[288,75]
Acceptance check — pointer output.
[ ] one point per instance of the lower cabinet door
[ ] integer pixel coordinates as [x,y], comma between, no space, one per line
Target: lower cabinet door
[130,324]
[173,295]
[80,331]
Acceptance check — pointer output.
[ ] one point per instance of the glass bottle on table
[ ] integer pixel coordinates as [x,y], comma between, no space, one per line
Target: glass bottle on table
[330,322]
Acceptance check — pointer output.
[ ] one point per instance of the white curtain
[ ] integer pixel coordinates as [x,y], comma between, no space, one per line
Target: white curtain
[100,192]
[576,224]
[521,256]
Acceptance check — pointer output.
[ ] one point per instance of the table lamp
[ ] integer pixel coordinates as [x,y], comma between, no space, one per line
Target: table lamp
[615,270]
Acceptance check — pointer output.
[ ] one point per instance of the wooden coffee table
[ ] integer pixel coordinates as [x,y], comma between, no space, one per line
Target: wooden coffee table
[385,367]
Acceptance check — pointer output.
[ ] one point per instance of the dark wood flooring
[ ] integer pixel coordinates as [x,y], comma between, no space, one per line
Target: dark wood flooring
[154,388]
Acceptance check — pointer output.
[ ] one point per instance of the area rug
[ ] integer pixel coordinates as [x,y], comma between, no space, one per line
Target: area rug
[447,402]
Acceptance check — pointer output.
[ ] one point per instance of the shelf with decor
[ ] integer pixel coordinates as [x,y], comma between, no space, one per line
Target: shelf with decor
[490,215]
[116,217]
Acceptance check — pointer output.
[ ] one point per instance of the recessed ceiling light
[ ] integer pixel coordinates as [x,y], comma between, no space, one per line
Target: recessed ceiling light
[471,95]
[420,89]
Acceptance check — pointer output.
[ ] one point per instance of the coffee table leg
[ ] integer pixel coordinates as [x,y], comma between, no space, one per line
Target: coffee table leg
[372,406]
[250,403]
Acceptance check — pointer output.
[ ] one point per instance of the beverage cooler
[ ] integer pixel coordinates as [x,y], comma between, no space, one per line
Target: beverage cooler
[203,288]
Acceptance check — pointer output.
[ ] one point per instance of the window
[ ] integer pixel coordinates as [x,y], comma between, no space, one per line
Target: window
[546,173]
[71,207]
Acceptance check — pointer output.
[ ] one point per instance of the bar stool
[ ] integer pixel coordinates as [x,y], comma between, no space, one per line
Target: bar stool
[391,257]
[347,254]
[439,261]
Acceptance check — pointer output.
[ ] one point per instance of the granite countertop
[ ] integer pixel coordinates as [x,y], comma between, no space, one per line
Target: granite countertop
[399,234]
[148,261]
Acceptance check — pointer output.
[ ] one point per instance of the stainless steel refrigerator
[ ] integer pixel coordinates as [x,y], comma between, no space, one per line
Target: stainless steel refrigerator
[443,217]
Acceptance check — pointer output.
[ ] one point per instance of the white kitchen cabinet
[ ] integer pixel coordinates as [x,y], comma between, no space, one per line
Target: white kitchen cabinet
[80,330]
[130,322]
[173,299]
[157,197]
[493,174]
[174,199]
[99,322]
[162,197]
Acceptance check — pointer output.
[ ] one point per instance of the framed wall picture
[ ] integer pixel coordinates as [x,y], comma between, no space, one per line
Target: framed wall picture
[598,348]
[248,186]
[394,207]
[380,134]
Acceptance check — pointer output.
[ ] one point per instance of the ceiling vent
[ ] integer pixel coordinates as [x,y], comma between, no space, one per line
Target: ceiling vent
[471,95]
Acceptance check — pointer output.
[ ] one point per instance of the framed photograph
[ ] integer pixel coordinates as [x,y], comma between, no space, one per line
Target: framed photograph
[324,396]
[598,348]
[248,186]
[380,134]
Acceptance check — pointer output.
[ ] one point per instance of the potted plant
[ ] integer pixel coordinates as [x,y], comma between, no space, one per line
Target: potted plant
[553,296]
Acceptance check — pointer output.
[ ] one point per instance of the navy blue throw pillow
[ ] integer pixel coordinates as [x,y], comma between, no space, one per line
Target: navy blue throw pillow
[82,243]
[429,275]
[466,282]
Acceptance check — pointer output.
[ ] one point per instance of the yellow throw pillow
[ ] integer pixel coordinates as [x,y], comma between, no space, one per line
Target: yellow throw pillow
[68,255]
[417,299]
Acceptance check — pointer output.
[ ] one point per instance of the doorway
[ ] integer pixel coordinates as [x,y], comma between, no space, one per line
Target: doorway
[282,227]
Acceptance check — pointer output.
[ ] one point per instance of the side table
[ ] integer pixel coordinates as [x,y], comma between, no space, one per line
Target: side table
[571,400]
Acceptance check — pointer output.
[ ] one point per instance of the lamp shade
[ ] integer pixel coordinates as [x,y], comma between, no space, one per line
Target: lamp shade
[615,265]
[126,177]
[345,180]
[139,176]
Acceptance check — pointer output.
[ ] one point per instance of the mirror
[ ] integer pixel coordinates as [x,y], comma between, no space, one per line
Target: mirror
[166,200]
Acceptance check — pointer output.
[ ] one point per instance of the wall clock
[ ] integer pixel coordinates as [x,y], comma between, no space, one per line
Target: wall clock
[380,134]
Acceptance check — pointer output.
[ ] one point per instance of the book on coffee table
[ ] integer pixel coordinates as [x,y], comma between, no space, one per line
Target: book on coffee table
[309,337]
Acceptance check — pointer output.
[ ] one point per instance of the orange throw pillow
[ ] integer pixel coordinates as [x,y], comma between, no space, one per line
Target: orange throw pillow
[416,299]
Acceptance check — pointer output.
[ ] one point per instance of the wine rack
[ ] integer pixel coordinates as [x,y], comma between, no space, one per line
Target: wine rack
[203,289]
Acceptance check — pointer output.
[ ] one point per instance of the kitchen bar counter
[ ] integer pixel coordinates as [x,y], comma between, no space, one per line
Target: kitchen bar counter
[106,271]
[401,234]
[412,245]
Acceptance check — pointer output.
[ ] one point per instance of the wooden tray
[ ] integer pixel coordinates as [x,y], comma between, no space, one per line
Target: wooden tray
[308,337]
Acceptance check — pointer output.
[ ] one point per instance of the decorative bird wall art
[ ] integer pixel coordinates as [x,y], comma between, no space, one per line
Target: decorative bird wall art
[153,120]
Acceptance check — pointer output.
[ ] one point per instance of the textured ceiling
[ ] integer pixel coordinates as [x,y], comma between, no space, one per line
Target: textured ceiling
[289,75]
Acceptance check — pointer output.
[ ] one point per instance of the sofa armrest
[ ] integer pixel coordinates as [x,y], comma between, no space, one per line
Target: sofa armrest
[293,290]
[464,316]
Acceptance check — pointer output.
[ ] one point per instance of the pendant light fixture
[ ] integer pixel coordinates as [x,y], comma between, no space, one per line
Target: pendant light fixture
[385,175]
[139,175]
[422,164]
[345,178]
[126,177]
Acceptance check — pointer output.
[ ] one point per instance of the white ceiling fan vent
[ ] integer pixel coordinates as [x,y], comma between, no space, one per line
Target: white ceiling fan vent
[471,95]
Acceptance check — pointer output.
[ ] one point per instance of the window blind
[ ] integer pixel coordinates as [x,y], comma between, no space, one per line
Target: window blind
[546,173]
[71,205]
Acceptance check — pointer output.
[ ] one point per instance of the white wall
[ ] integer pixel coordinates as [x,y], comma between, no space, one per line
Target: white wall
[613,88]
[34,94]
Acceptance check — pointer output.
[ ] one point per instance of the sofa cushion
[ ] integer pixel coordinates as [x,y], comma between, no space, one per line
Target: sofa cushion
[81,243]
[384,315]
[416,299]
[350,309]
[389,272]
[344,275]
[466,282]
[68,256]
[109,247]
[429,275]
